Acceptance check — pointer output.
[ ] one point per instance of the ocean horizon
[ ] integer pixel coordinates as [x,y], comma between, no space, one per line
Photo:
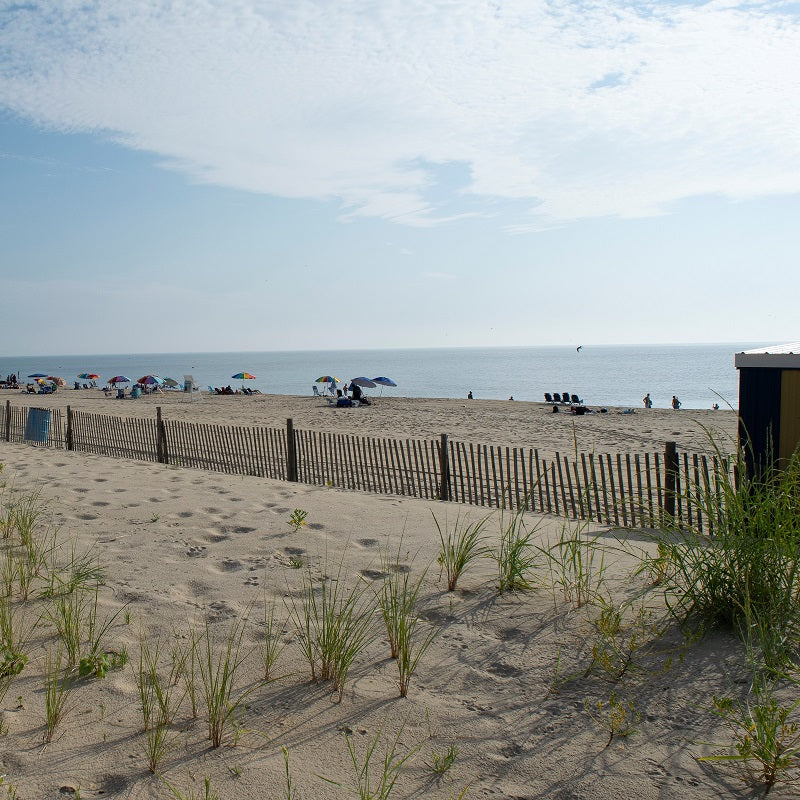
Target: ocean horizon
[610,375]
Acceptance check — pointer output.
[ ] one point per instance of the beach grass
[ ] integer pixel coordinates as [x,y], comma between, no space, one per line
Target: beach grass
[746,575]
[460,546]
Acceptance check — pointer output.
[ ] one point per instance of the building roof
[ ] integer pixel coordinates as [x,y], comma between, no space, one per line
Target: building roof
[776,356]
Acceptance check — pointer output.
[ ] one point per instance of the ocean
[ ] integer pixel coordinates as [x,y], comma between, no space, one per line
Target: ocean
[699,375]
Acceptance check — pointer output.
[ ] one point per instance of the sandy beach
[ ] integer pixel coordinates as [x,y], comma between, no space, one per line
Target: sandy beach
[495,422]
[507,681]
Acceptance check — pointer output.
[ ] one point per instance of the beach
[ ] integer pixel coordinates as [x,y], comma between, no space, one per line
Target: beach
[489,422]
[507,683]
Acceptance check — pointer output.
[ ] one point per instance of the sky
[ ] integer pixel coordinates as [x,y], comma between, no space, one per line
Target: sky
[232,175]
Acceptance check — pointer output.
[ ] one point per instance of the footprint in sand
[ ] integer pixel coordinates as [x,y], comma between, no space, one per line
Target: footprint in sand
[196,551]
[251,581]
[186,514]
[230,565]
[81,490]
[503,670]
[100,503]
[216,538]
[373,574]
[315,526]
[367,542]
[219,611]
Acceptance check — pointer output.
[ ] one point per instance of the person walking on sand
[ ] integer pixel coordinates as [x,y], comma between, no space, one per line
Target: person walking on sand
[676,404]
[648,403]
[469,395]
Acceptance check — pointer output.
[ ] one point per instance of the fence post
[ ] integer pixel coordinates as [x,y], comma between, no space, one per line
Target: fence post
[444,469]
[291,452]
[8,420]
[670,479]
[69,428]
[161,438]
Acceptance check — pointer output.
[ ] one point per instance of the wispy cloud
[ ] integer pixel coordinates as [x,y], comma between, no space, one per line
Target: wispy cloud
[570,109]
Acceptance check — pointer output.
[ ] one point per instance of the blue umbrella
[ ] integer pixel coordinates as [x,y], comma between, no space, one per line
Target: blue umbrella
[38,375]
[384,382]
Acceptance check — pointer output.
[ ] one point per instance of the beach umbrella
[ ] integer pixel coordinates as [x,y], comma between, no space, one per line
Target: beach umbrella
[327,379]
[150,380]
[171,382]
[383,381]
[88,376]
[38,375]
[365,382]
[243,376]
[119,379]
[57,381]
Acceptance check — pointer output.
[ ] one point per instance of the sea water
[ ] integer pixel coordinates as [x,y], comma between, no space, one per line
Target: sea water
[699,375]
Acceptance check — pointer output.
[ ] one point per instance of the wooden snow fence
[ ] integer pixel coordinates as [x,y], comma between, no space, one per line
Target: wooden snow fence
[624,490]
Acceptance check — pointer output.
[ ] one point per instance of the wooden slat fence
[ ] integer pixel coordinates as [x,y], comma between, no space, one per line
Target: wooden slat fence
[625,490]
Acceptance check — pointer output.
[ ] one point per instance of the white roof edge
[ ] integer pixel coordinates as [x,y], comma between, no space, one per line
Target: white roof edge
[778,356]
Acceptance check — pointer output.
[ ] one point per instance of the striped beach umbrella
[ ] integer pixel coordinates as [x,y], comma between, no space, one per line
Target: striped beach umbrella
[243,376]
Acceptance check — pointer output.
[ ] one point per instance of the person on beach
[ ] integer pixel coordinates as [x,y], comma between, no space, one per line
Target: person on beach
[469,395]
[676,404]
[648,403]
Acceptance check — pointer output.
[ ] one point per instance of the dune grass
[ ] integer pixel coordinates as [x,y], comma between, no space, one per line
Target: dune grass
[335,623]
[517,555]
[218,666]
[460,546]
[577,564]
[746,576]
[371,781]
[408,637]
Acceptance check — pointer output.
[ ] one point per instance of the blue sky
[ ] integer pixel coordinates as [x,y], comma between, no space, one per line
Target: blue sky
[196,175]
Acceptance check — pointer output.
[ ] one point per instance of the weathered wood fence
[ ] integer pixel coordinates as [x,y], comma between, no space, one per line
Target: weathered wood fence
[630,490]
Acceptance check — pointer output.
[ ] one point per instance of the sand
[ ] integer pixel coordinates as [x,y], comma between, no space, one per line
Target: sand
[490,422]
[181,546]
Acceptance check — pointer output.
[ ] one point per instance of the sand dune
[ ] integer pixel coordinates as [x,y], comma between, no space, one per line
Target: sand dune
[502,681]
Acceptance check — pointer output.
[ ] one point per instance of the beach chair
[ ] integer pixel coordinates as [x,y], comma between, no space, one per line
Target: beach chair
[565,397]
[315,390]
[556,397]
[548,398]
[576,399]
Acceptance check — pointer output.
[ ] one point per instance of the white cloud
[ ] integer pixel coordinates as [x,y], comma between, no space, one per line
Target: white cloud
[575,109]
